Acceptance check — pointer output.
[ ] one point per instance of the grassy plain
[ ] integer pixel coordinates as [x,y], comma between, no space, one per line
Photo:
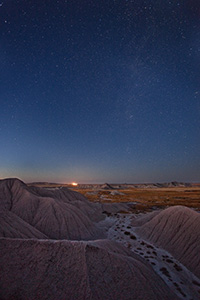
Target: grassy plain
[147,198]
[142,198]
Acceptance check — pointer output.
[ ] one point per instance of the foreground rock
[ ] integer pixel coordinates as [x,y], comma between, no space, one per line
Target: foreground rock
[32,269]
[52,247]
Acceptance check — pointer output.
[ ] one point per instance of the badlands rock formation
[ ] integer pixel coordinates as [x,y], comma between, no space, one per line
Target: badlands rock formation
[177,230]
[48,250]
[56,214]
[35,269]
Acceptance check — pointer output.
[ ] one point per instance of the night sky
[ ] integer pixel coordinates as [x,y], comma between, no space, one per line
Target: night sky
[100,91]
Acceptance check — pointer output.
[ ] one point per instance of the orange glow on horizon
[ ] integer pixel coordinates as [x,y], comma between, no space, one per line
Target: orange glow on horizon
[74,183]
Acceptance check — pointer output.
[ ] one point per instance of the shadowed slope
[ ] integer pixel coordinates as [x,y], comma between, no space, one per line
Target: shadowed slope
[57,214]
[12,226]
[176,229]
[39,261]
[75,270]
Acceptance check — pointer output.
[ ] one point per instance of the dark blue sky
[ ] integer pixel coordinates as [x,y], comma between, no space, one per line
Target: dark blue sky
[95,91]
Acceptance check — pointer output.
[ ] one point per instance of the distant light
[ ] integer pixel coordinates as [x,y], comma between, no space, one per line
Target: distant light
[74,183]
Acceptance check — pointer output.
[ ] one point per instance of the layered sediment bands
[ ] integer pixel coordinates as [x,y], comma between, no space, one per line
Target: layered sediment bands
[175,229]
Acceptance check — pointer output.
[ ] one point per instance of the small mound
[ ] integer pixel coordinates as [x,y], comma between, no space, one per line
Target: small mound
[141,220]
[112,208]
[106,186]
[176,229]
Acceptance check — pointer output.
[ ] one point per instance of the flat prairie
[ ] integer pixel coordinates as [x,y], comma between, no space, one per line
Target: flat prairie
[143,199]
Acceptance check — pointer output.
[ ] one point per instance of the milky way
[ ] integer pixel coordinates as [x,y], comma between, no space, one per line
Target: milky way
[96,91]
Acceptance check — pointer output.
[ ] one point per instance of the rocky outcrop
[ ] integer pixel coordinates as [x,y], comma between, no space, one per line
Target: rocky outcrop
[175,229]
[36,269]
[55,214]
[106,186]
[52,248]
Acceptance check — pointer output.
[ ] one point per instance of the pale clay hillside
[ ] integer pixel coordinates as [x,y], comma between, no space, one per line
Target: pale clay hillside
[55,244]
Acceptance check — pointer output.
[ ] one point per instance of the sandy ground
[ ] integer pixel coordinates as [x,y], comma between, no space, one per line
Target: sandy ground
[183,282]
